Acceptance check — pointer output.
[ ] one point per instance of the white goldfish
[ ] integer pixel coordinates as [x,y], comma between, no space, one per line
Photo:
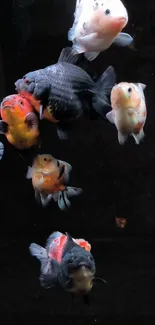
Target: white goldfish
[98,24]
[129,110]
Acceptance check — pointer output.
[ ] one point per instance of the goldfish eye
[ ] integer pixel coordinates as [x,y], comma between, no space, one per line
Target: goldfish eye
[129,90]
[27,81]
[107,12]
[45,159]
[21,103]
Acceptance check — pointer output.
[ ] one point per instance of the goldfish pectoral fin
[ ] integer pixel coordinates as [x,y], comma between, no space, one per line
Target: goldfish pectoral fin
[62,133]
[110,117]
[29,173]
[3,127]
[122,138]
[31,120]
[90,56]
[1,150]
[73,191]
[38,251]
[45,199]
[139,137]
[123,39]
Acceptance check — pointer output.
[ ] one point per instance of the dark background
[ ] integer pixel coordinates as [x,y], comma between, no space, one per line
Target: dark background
[117,180]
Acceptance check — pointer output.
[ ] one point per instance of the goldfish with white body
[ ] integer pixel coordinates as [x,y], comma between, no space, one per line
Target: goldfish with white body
[97,24]
[129,110]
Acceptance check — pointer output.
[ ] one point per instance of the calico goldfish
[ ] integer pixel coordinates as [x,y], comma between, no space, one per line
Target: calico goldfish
[63,91]
[97,24]
[65,263]
[19,123]
[50,177]
[129,110]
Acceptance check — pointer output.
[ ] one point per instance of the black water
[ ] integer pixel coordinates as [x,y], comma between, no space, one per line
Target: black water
[117,181]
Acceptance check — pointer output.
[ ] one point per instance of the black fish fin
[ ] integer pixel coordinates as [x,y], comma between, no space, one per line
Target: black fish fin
[101,101]
[67,55]
[62,131]
[49,274]
[3,127]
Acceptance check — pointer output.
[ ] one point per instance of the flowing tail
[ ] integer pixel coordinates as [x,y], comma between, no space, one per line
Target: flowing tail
[101,101]
[63,197]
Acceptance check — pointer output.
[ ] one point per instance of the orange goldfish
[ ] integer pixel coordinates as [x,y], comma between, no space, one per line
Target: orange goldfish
[98,24]
[19,123]
[128,110]
[49,178]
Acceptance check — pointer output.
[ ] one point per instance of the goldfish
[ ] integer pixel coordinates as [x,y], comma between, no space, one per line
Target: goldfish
[19,123]
[65,263]
[129,111]
[97,24]
[121,222]
[50,177]
[63,91]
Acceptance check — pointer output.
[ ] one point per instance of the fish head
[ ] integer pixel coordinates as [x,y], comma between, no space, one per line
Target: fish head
[45,162]
[34,86]
[109,17]
[79,266]
[15,107]
[125,96]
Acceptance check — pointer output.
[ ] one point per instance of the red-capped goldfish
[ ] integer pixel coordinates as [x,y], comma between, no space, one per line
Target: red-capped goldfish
[66,263]
[98,24]
[128,110]
[19,123]
[121,222]
[49,179]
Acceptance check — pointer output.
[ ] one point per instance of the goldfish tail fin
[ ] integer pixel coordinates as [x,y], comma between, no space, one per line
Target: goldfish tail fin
[38,251]
[63,197]
[1,150]
[101,101]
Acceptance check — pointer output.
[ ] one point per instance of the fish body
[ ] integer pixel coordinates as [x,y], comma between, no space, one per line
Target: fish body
[97,24]
[129,111]
[67,262]
[61,92]
[50,177]
[19,123]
